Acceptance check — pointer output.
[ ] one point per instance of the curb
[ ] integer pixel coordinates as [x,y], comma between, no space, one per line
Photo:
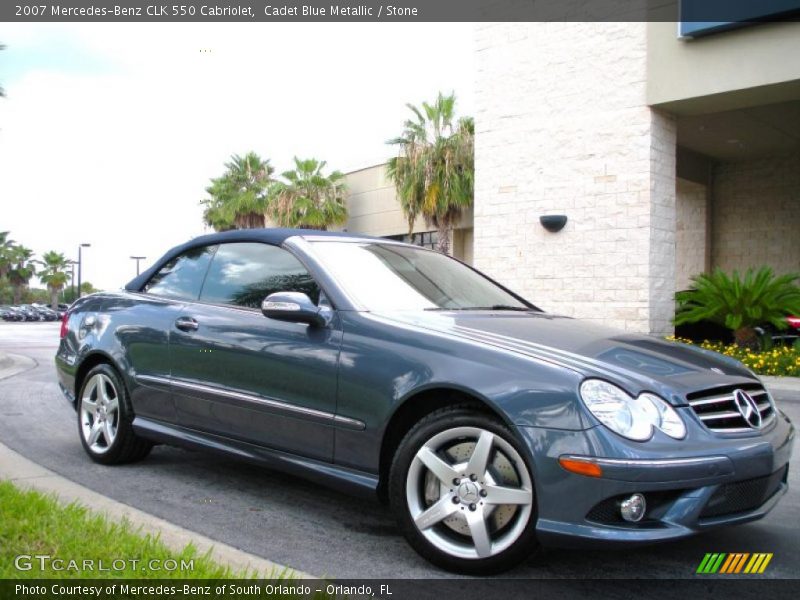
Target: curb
[14,364]
[25,473]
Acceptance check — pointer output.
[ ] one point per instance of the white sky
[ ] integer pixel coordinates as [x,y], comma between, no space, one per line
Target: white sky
[110,132]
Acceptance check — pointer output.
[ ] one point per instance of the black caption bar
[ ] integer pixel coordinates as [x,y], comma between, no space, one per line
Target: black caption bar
[699,588]
[398,10]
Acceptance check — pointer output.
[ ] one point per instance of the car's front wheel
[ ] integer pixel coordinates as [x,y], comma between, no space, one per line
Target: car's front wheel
[105,417]
[463,493]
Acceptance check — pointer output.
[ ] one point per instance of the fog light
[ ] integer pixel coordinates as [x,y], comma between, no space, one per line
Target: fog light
[632,509]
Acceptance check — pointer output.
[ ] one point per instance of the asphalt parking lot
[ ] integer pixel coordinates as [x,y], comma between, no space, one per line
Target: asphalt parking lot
[296,523]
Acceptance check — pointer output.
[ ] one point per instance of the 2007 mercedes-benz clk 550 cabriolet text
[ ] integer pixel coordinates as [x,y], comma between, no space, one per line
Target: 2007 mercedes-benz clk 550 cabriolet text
[378,367]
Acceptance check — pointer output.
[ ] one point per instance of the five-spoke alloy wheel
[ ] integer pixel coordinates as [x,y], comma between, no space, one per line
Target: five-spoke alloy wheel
[464,493]
[105,417]
[99,413]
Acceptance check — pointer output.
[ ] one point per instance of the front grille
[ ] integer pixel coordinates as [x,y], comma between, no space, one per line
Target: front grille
[718,411]
[745,495]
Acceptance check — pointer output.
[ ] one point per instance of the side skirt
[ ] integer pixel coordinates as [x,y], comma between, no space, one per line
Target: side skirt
[346,480]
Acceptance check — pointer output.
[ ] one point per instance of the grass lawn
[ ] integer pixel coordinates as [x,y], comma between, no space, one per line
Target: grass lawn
[32,523]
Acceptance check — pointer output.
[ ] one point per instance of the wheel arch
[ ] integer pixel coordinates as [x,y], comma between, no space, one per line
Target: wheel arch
[416,406]
[90,361]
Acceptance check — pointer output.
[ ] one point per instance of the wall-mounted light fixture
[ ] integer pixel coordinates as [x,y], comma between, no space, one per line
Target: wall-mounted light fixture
[553,223]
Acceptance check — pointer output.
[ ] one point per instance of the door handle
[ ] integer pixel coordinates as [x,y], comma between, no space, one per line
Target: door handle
[186,324]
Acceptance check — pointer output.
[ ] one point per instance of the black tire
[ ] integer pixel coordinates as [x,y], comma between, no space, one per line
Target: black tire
[126,446]
[440,423]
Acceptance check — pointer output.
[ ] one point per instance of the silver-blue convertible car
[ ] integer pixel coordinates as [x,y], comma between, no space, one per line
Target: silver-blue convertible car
[491,427]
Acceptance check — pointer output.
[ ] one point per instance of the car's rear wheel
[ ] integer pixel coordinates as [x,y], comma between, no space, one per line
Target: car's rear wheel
[463,493]
[105,417]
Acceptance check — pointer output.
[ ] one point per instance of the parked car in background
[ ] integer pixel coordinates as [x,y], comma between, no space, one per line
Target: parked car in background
[45,312]
[29,312]
[378,367]
[9,313]
[788,336]
[40,315]
[714,332]
[48,313]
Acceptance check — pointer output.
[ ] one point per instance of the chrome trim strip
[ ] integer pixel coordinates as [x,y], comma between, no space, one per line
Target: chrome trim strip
[719,415]
[714,400]
[647,462]
[339,420]
[726,398]
[767,420]
[199,387]
[734,430]
[349,423]
[153,379]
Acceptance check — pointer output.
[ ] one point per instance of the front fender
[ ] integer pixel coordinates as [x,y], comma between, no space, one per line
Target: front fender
[384,364]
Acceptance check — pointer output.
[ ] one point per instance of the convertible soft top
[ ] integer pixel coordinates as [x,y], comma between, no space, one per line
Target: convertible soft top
[275,236]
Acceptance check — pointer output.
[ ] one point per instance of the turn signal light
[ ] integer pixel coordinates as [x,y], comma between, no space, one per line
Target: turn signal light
[581,467]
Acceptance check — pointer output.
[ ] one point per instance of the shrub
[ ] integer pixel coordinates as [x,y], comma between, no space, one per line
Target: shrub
[740,304]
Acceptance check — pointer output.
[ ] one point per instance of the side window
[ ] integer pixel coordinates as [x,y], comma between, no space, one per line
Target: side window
[244,274]
[182,277]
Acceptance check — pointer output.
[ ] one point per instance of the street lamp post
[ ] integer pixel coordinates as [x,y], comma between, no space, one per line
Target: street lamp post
[80,264]
[72,278]
[137,259]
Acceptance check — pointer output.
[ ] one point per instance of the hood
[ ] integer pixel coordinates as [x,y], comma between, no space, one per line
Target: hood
[635,361]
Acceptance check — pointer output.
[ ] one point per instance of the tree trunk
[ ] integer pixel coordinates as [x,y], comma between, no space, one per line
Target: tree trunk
[17,294]
[249,221]
[444,230]
[746,337]
[54,298]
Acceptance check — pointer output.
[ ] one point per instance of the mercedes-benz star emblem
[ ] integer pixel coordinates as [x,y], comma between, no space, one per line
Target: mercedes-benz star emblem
[468,492]
[748,408]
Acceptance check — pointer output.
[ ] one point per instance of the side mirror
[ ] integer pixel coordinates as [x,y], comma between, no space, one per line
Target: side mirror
[294,307]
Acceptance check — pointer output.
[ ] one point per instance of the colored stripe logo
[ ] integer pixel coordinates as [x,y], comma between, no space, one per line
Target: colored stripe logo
[734,563]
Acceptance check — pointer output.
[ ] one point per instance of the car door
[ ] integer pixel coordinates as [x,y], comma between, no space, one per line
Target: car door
[144,329]
[238,374]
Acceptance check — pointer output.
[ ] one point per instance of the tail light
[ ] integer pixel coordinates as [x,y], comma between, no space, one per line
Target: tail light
[64,328]
[794,322]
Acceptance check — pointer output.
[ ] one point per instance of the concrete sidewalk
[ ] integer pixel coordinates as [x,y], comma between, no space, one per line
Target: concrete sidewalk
[26,474]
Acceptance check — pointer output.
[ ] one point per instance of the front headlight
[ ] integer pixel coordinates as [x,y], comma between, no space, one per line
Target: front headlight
[633,418]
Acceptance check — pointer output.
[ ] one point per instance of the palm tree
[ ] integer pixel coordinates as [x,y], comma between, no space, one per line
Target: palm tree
[238,199]
[6,249]
[740,304]
[22,269]
[55,274]
[309,199]
[434,172]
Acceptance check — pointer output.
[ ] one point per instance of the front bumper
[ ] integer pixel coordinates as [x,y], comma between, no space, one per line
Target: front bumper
[702,482]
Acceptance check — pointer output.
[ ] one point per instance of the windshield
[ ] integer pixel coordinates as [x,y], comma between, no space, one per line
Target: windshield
[390,277]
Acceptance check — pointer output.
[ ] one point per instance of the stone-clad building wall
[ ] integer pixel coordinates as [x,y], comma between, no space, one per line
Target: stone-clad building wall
[756,212]
[564,128]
